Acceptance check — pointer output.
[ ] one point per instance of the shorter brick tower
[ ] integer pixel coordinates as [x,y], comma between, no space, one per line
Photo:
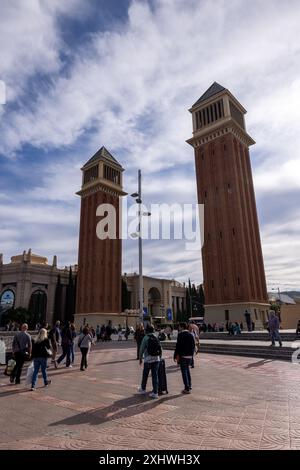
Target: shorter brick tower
[99,260]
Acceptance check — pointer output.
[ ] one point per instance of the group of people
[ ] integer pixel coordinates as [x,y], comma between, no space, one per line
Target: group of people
[45,345]
[149,353]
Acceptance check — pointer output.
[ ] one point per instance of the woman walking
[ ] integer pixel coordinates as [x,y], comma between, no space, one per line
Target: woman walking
[40,351]
[84,342]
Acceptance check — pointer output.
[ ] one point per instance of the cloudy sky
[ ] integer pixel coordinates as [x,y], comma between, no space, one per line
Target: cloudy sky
[80,74]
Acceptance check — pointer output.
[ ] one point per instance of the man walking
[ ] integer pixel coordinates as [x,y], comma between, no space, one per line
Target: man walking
[55,339]
[274,328]
[184,352]
[21,348]
[151,350]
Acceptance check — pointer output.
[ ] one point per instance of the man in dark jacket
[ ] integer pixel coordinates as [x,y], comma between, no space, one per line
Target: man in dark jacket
[66,343]
[183,354]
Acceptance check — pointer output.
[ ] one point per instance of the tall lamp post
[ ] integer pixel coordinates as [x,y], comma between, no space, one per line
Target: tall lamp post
[138,199]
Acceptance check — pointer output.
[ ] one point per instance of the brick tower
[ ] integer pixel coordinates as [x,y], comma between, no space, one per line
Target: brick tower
[233,269]
[99,260]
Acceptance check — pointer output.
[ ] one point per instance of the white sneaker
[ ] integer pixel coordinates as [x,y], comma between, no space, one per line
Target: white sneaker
[141,391]
[153,395]
[69,367]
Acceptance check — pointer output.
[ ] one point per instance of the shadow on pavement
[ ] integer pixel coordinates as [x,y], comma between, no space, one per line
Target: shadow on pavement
[125,408]
[258,364]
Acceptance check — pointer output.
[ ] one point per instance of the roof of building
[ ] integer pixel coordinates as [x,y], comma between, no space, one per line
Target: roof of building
[211,91]
[102,153]
[282,298]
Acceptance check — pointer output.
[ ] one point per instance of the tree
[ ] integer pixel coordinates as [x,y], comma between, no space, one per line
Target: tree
[58,300]
[125,296]
[70,298]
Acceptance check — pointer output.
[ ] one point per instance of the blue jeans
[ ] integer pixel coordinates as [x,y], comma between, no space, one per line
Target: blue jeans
[275,336]
[39,362]
[66,351]
[185,371]
[72,352]
[153,366]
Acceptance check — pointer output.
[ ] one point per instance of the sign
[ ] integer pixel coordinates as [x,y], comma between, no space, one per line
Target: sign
[169,314]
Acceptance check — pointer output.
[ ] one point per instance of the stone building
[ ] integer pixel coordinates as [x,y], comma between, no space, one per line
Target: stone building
[163,298]
[28,281]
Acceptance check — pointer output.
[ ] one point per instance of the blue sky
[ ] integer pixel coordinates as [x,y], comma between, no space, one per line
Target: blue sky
[82,74]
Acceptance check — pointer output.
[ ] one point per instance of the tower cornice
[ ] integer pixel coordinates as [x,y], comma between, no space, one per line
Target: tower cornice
[219,129]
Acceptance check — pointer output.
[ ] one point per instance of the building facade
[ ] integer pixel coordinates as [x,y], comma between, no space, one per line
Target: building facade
[99,258]
[28,281]
[233,269]
[163,299]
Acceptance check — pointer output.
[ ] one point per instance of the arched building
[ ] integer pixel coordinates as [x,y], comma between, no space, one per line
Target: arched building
[28,281]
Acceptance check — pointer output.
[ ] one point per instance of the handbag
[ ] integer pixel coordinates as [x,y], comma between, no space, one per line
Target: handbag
[49,352]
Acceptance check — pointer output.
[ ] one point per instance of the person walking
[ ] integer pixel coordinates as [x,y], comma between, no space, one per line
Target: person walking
[72,353]
[183,354]
[274,328]
[21,348]
[138,336]
[41,350]
[85,341]
[66,343]
[55,339]
[151,352]
[98,333]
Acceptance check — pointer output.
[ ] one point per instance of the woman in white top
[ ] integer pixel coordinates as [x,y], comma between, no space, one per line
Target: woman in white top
[84,342]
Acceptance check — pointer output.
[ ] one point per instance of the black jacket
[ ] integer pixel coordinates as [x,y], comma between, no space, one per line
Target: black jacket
[185,345]
[39,349]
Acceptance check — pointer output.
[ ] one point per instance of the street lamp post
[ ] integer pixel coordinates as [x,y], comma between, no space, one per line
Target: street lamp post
[138,199]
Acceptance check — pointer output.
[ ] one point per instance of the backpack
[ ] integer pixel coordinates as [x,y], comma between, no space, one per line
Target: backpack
[153,346]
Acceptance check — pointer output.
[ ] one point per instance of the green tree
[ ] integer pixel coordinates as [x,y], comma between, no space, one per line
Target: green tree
[70,298]
[58,300]
[125,296]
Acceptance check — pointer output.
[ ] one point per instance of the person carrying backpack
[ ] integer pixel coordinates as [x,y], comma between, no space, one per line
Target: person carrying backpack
[151,351]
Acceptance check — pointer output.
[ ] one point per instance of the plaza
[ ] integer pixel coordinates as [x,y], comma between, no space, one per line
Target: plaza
[236,403]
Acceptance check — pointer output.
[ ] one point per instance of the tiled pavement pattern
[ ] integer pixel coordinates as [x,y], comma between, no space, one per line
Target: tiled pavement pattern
[236,403]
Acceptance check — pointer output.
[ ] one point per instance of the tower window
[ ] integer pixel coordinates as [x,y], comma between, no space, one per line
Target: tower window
[212,284]
[205,193]
[233,232]
[225,282]
[208,236]
[221,236]
[236,114]
[111,174]
[238,281]
[91,174]
[202,156]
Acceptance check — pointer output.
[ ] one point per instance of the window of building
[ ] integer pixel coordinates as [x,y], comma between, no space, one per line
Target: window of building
[225,283]
[91,174]
[212,284]
[226,315]
[233,232]
[111,174]
[221,235]
[236,114]
[238,281]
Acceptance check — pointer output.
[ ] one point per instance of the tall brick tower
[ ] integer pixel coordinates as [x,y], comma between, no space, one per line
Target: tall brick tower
[99,260]
[233,269]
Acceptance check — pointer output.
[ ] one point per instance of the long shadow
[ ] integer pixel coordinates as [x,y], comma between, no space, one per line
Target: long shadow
[125,408]
[8,393]
[114,362]
[258,363]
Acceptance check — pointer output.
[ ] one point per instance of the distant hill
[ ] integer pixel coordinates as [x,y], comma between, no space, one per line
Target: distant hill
[292,293]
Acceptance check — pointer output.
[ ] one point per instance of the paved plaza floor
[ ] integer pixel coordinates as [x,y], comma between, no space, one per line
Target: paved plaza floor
[236,403]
